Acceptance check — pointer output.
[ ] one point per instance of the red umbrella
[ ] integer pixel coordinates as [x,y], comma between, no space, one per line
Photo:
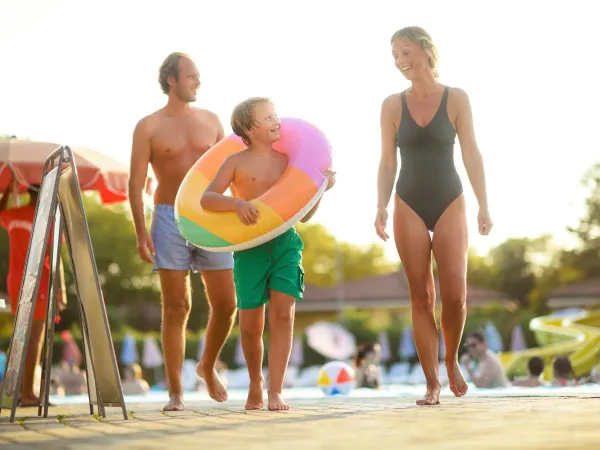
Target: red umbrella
[96,172]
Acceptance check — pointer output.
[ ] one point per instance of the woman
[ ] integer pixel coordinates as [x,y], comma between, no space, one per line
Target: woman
[423,121]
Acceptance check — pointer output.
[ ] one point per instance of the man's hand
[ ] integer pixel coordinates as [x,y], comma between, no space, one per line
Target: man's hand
[145,247]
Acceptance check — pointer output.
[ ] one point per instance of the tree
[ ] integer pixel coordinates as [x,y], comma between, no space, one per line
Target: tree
[323,255]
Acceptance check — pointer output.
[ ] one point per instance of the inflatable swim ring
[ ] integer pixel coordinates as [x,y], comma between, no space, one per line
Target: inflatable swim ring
[298,190]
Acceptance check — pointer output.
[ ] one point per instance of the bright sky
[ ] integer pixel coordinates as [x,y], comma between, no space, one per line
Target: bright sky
[83,73]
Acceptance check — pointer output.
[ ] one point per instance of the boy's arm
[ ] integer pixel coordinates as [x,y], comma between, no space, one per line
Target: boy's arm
[213,199]
[311,213]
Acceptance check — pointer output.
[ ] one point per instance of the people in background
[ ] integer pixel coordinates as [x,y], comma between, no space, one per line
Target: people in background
[489,371]
[133,382]
[366,361]
[535,367]
[564,375]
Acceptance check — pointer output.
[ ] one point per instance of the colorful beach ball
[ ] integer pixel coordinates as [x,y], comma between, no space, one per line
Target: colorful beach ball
[336,378]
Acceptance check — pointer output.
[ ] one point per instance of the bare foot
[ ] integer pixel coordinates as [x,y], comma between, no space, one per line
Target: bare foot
[255,396]
[431,397]
[216,390]
[276,403]
[457,382]
[28,400]
[175,404]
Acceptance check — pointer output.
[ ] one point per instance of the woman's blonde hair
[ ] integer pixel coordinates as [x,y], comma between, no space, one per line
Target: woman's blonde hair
[422,38]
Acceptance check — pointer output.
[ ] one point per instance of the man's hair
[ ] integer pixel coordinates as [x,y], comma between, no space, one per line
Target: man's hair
[242,118]
[170,67]
[477,335]
[535,366]
[33,190]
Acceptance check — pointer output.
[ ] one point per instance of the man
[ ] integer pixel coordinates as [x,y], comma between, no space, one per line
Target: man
[171,140]
[490,371]
[19,224]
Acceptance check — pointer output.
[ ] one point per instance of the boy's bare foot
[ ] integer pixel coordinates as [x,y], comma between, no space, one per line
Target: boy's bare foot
[175,404]
[255,396]
[276,403]
[456,380]
[215,388]
[431,397]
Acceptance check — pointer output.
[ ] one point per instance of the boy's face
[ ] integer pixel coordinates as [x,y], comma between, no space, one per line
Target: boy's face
[266,124]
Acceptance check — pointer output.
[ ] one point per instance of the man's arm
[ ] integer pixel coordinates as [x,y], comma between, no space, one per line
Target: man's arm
[487,373]
[6,196]
[138,172]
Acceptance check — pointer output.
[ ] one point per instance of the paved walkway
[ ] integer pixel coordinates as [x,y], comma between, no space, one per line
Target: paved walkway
[336,423]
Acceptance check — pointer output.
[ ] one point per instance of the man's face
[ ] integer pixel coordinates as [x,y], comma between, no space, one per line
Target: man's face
[475,348]
[187,86]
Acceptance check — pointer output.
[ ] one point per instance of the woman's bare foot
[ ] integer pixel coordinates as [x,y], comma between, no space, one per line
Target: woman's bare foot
[215,388]
[431,397]
[276,403]
[175,404]
[255,396]
[456,380]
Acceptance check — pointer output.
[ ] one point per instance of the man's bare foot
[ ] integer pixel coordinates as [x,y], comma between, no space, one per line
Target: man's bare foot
[26,400]
[255,396]
[215,388]
[276,403]
[456,380]
[431,397]
[175,404]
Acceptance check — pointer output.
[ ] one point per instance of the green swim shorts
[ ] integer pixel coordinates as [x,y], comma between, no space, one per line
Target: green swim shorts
[276,264]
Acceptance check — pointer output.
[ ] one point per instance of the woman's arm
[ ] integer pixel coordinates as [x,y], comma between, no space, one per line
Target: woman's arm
[470,152]
[388,164]
[472,158]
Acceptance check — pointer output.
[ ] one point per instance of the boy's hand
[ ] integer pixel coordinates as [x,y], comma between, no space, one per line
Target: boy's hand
[330,174]
[247,212]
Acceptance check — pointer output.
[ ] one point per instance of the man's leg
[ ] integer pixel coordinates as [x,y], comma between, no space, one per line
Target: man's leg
[217,275]
[34,352]
[176,305]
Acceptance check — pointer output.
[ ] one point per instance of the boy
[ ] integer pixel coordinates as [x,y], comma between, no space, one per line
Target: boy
[271,272]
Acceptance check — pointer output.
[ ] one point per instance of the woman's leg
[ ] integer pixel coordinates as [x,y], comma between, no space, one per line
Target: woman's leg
[414,247]
[450,247]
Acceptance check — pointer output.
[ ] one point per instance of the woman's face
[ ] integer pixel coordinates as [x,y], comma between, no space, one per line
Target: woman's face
[410,59]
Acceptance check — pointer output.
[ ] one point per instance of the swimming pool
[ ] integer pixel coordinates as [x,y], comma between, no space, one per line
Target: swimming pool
[390,391]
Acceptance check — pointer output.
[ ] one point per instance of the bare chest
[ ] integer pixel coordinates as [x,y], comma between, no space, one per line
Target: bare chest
[182,141]
[260,174]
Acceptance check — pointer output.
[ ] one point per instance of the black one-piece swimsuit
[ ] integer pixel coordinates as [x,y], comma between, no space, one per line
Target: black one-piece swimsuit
[428,181]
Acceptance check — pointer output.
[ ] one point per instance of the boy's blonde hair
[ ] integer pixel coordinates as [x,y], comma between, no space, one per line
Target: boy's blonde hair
[242,118]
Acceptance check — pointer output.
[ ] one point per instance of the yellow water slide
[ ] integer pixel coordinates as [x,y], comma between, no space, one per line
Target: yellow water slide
[575,336]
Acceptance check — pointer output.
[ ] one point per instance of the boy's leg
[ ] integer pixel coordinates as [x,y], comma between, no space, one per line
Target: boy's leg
[281,326]
[252,324]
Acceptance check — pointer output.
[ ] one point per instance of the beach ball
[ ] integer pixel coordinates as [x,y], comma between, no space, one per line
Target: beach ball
[336,378]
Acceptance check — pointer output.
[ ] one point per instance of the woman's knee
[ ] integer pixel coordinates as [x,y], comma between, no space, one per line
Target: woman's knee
[454,294]
[422,297]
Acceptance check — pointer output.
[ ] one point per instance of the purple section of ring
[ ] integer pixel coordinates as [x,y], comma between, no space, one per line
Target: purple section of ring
[307,147]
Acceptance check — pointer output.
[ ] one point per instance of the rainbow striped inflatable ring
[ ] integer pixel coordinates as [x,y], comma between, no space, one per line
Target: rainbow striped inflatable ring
[280,208]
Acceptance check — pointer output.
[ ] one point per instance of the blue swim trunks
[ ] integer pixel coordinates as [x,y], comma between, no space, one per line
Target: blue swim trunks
[174,252]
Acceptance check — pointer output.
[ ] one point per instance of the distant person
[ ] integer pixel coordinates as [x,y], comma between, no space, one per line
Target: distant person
[366,361]
[133,382]
[19,224]
[535,367]
[564,375]
[422,122]
[490,371]
[172,139]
